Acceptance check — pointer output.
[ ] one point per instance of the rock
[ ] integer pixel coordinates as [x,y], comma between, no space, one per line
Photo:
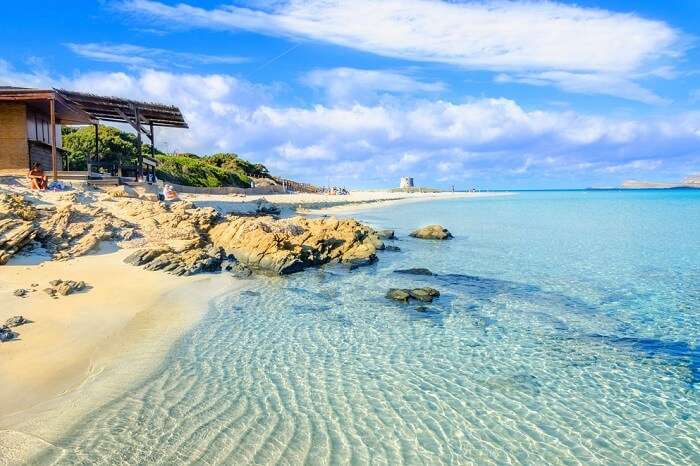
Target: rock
[121,191]
[6,334]
[385,234]
[50,291]
[398,294]
[425,295]
[432,232]
[69,287]
[415,271]
[263,207]
[291,245]
[21,292]
[15,321]
[55,282]
[391,248]
[422,309]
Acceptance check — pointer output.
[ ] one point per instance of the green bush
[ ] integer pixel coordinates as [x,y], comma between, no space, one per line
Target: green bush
[224,169]
[190,171]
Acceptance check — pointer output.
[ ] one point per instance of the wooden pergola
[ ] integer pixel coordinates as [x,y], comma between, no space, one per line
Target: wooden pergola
[69,107]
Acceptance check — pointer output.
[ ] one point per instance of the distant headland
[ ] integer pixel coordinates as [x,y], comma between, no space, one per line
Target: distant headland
[692,181]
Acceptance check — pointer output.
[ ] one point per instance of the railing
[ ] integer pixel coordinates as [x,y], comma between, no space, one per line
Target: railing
[296,186]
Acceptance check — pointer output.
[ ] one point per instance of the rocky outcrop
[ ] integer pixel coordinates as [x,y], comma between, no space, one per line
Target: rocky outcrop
[158,221]
[187,259]
[16,225]
[69,230]
[290,245]
[432,232]
[425,295]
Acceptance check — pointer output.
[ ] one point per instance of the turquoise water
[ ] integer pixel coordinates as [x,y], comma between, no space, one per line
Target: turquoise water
[567,333]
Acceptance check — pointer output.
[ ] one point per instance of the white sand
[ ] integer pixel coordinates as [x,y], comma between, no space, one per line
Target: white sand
[82,350]
[327,203]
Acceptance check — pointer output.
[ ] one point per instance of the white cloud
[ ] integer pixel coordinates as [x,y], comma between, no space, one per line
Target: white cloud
[496,35]
[577,49]
[136,55]
[587,83]
[346,85]
[475,139]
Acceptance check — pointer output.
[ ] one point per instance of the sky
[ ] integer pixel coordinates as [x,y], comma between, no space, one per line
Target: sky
[486,94]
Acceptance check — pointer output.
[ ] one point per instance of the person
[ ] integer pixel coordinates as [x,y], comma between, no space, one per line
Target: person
[37,178]
[169,193]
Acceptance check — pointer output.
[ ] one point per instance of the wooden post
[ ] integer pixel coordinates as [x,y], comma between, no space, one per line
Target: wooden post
[97,150]
[153,142]
[52,109]
[139,161]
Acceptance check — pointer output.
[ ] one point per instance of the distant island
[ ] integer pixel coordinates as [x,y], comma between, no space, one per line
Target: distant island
[692,181]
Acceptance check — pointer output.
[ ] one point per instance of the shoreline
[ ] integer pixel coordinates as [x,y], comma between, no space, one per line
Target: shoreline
[73,358]
[351,207]
[83,350]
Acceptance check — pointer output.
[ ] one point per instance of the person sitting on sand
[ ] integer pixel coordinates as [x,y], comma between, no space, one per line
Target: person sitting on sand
[37,178]
[169,193]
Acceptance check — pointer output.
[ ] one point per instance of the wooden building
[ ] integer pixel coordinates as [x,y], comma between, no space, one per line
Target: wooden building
[31,119]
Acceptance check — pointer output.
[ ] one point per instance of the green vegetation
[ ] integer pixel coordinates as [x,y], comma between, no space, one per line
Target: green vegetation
[192,171]
[222,169]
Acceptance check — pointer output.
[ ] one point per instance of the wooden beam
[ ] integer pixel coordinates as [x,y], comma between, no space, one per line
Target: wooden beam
[139,149]
[135,123]
[52,108]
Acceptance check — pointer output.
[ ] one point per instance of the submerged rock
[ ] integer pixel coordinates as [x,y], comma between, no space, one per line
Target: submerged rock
[425,295]
[415,271]
[432,232]
[398,294]
[15,321]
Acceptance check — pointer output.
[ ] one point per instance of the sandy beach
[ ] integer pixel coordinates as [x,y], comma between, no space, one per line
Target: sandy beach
[82,349]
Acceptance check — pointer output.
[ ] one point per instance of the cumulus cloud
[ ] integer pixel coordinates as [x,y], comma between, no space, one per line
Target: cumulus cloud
[136,55]
[484,139]
[590,50]
[351,84]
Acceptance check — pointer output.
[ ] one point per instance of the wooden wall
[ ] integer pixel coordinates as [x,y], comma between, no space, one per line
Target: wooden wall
[14,152]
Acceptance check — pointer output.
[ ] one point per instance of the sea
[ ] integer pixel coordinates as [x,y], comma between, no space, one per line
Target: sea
[567,332]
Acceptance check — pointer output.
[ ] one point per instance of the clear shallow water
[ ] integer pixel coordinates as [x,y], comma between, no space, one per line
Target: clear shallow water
[568,332]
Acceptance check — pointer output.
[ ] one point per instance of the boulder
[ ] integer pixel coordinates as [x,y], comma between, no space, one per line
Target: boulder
[15,321]
[291,245]
[415,271]
[385,234]
[6,334]
[432,232]
[64,287]
[398,294]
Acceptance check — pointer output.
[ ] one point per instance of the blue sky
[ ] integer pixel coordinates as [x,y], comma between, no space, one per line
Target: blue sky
[493,94]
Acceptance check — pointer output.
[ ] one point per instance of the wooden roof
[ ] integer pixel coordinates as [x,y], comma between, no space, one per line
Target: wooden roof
[120,110]
[78,107]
